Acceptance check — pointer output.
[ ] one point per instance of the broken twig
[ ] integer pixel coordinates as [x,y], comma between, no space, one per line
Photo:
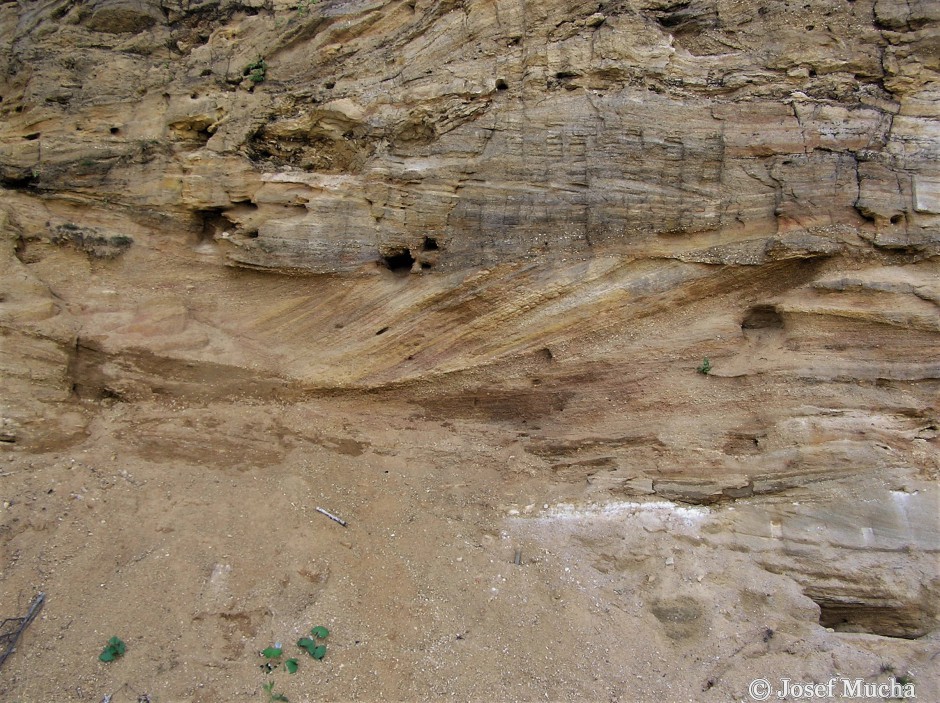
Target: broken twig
[332,517]
[12,628]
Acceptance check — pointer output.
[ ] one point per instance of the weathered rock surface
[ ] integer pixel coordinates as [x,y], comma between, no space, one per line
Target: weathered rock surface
[487,245]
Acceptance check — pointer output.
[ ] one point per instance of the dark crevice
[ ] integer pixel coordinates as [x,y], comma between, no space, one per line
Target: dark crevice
[212,224]
[876,616]
[19,181]
[399,261]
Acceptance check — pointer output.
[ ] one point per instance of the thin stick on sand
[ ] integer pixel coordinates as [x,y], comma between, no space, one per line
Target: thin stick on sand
[8,636]
[332,517]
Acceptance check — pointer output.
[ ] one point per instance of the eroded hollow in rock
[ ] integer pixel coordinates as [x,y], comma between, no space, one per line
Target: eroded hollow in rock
[213,224]
[762,317]
[399,261]
[20,181]
[903,620]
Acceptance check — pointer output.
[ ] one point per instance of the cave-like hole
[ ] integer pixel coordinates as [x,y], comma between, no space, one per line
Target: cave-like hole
[213,223]
[429,244]
[32,137]
[906,621]
[399,261]
[501,84]
[20,182]
[329,85]
[115,130]
[897,219]
[670,21]
[762,317]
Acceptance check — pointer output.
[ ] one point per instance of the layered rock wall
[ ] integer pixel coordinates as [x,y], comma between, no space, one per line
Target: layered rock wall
[456,135]
[499,235]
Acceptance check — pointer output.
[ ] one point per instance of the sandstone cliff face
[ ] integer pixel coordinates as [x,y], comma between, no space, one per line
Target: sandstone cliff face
[462,134]
[524,222]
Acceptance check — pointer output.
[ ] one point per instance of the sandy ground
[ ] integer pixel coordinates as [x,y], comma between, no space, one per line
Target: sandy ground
[190,531]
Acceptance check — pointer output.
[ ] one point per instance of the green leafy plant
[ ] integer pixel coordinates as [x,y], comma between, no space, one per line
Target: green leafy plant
[313,649]
[303,6]
[705,367]
[114,649]
[256,71]
[291,666]
[317,651]
[272,696]
[271,652]
[272,655]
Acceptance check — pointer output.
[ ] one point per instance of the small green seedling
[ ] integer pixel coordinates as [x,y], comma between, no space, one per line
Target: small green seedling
[272,696]
[317,651]
[256,70]
[291,666]
[271,652]
[114,649]
[705,367]
[303,7]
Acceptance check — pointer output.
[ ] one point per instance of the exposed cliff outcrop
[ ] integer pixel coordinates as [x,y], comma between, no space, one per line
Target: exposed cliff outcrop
[240,233]
[498,131]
